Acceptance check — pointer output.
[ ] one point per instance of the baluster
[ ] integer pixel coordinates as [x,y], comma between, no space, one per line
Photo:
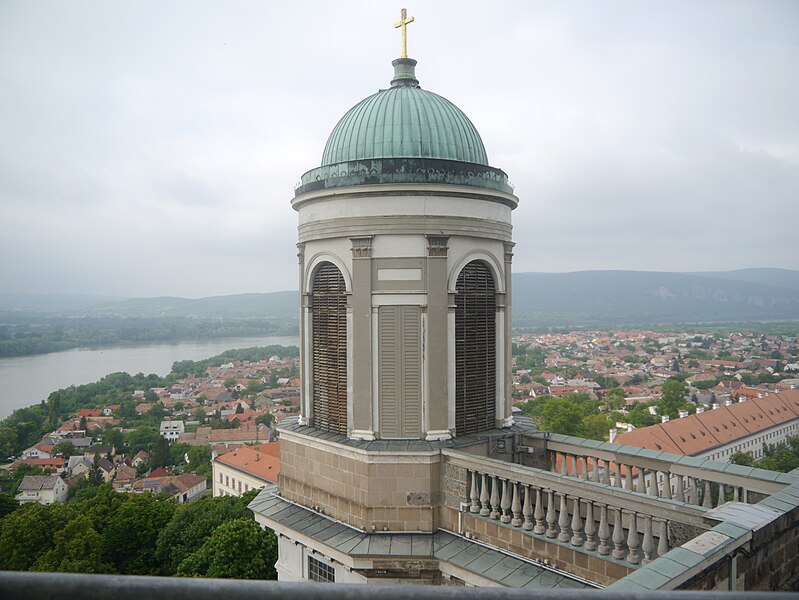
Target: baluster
[735,494]
[485,506]
[745,495]
[539,513]
[617,478]
[722,494]
[563,520]
[564,463]
[473,496]
[516,506]
[665,490]
[527,510]
[551,532]
[648,545]
[663,542]
[707,501]
[590,527]
[628,483]
[505,502]
[633,542]
[695,493]
[680,489]
[653,482]
[584,472]
[604,531]
[494,514]
[572,470]
[577,523]
[606,472]
[618,535]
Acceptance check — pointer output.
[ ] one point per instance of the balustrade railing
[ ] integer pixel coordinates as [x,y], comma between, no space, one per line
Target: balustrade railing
[659,474]
[619,524]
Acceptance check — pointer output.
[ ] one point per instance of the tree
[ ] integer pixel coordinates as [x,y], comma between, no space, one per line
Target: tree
[7,504]
[28,532]
[238,549]
[742,458]
[596,427]
[160,456]
[614,398]
[199,415]
[132,532]
[193,524]
[200,460]
[65,449]
[561,416]
[229,382]
[672,398]
[76,549]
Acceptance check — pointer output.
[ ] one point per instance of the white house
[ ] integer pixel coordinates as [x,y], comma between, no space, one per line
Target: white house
[171,430]
[44,489]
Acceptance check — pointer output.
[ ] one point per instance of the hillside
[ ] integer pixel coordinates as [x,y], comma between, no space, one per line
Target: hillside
[583,298]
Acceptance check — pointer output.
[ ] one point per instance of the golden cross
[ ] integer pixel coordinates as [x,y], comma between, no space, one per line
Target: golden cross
[402,24]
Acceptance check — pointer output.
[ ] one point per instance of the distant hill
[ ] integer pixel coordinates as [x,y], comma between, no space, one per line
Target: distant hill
[50,303]
[646,297]
[583,298]
[238,306]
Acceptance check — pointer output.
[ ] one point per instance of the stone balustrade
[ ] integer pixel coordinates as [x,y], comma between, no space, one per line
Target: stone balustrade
[659,474]
[617,523]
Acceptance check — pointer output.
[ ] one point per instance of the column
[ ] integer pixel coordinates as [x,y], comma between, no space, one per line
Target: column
[508,335]
[437,339]
[361,418]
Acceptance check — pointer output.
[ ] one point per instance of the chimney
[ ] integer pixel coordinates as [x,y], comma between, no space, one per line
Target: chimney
[714,406]
[629,428]
[728,402]
[664,419]
[683,414]
[613,432]
[700,410]
[760,395]
[742,399]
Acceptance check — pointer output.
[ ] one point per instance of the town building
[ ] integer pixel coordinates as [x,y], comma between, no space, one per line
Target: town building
[44,489]
[182,488]
[246,468]
[744,426]
[405,464]
[172,430]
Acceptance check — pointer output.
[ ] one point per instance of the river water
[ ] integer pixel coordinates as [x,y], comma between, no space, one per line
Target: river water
[26,380]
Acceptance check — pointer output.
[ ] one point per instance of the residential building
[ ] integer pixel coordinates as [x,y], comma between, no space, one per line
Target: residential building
[248,467]
[172,430]
[44,489]
[183,488]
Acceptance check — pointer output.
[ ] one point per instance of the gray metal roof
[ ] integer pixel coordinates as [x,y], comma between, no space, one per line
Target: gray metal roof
[481,560]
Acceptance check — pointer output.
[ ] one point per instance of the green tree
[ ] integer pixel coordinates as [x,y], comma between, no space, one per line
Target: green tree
[7,504]
[132,532]
[76,549]
[742,458]
[238,549]
[29,531]
[65,449]
[560,415]
[160,456]
[200,460]
[672,398]
[194,523]
[596,427]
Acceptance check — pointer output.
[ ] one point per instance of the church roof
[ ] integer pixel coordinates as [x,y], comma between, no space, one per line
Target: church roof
[405,121]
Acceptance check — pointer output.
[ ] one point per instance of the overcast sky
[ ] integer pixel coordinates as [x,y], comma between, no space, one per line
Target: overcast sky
[152,148]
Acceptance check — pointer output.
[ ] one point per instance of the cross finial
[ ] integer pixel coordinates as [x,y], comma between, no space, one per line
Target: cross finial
[402,24]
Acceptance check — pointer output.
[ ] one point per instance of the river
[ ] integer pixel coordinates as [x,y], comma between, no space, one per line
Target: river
[26,380]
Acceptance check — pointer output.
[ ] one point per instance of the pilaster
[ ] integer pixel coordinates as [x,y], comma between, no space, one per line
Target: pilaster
[361,337]
[436,363]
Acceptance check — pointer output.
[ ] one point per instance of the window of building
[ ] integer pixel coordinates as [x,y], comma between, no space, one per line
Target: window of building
[320,571]
[220,478]
[227,481]
[475,349]
[329,349]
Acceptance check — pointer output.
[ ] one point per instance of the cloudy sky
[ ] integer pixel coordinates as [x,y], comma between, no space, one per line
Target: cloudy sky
[151,148]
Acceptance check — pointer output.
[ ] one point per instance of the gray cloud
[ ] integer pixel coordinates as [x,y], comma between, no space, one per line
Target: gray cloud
[152,149]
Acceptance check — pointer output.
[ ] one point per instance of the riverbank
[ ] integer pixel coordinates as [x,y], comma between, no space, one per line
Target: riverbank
[28,380]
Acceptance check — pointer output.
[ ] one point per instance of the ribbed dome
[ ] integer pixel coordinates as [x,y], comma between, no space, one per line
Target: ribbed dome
[404,121]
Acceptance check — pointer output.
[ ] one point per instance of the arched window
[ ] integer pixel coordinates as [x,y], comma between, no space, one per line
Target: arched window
[329,340]
[475,349]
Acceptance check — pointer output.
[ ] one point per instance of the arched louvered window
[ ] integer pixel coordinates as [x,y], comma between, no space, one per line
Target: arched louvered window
[475,349]
[329,339]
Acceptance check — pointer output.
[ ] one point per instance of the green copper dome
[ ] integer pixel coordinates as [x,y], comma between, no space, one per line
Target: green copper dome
[404,121]
[404,135]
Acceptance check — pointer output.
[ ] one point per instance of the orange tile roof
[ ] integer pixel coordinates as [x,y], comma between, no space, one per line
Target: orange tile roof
[698,433]
[261,461]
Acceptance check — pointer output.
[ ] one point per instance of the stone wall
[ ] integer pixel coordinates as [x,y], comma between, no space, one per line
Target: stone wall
[376,491]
